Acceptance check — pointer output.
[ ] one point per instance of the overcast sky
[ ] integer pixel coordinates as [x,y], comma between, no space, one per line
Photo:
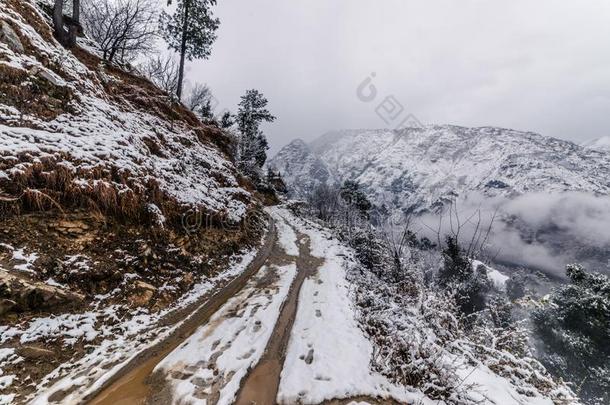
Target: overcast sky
[540,65]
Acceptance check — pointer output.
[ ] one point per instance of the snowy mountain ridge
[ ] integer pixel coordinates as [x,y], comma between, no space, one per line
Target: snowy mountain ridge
[602,144]
[422,169]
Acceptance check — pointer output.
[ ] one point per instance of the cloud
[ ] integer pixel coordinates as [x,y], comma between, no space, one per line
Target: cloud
[515,64]
[536,230]
[580,215]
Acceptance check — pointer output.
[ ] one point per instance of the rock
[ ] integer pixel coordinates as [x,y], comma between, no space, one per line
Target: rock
[71,227]
[142,293]
[35,352]
[47,75]
[6,305]
[20,294]
[10,37]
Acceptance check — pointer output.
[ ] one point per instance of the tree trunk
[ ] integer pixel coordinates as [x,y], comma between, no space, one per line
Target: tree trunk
[74,26]
[58,22]
[66,37]
[187,4]
[76,10]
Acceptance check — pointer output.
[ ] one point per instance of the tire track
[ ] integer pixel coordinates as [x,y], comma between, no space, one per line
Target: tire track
[262,383]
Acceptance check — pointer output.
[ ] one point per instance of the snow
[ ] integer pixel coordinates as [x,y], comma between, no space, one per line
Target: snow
[287,237]
[7,356]
[602,144]
[496,277]
[19,255]
[157,213]
[326,327]
[70,327]
[54,283]
[121,342]
[112,137]
[6,381]
[231,342]
[490,388]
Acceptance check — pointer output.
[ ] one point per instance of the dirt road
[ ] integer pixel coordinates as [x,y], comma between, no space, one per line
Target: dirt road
[262,383]
[129,386]
[234,348]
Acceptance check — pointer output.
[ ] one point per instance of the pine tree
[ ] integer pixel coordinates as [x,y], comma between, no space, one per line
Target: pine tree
[190,31]
[227,120]
[252,147]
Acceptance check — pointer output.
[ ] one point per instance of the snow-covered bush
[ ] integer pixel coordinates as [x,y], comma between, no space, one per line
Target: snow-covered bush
[457,274]
[423,339]
[574,327]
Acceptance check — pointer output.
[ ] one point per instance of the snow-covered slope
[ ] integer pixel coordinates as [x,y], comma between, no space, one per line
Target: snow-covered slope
[301,168]
[602,144]
[421,169]
[70,125]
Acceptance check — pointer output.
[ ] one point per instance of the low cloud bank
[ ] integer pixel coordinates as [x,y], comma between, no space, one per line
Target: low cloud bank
[536,230]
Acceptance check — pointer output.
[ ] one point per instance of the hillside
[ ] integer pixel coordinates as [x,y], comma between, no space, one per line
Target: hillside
[602,144]
[119,209]
[423,169]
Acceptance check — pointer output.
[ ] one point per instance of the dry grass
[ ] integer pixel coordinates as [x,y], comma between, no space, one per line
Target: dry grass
[32,94]
[47,185]
[31,16]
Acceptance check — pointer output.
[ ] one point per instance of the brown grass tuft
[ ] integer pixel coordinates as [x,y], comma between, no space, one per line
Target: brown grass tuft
[31,16]
[32,94]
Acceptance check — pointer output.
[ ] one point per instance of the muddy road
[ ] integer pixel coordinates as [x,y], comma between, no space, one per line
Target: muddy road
[233,347]
[130,385]
[261,385]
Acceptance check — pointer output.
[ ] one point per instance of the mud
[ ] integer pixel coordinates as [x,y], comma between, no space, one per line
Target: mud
[261,385]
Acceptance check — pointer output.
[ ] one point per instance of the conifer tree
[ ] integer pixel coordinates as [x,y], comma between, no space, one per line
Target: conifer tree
[190,31]
[227,120]
[252,147]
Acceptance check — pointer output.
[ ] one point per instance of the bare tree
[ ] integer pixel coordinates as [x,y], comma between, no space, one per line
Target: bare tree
[66,27]
[201,101]
[163,72]
[397,233]
[123,29]
[480,230]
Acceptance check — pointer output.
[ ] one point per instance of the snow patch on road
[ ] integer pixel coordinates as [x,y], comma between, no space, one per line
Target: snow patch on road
[219,354]
[328,355]
[287,238]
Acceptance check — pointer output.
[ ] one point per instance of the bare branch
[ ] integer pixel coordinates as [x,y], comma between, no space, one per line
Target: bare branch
[123,29]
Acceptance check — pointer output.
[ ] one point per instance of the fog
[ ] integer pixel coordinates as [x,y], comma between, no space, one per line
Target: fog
[538,230]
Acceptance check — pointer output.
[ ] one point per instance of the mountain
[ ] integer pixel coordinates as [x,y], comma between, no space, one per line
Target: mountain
[602,144]
[421,169]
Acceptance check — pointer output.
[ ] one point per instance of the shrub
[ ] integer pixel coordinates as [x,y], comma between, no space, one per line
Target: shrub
[574,327]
